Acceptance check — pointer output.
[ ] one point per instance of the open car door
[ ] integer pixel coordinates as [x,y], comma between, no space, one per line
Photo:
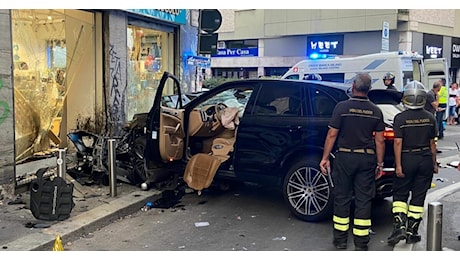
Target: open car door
[435,69]
[165,128]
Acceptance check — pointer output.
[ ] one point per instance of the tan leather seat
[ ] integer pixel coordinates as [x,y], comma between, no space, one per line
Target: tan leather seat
[221,147]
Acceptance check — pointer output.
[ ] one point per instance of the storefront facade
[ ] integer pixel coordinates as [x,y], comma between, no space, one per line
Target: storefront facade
[455,59]
[90,70]
[285,37]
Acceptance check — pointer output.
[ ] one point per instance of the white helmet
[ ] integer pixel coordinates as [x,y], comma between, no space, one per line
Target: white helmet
[414,96]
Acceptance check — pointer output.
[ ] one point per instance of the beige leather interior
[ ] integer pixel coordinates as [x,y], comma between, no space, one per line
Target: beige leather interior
[172,133]
[195,123]
[200,171]
[202,167]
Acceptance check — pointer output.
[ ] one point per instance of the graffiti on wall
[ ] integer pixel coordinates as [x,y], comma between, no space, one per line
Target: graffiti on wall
[4,107]
[117,93]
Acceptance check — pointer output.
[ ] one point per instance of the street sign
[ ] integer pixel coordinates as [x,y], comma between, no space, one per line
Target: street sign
[385,36]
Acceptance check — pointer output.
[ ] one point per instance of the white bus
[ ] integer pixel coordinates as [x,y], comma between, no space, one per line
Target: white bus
[405,66]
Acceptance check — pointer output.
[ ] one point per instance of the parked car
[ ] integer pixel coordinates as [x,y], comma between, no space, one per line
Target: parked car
[277,137]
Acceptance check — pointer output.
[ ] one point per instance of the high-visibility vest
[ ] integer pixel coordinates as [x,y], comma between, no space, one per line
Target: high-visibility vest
[443,95]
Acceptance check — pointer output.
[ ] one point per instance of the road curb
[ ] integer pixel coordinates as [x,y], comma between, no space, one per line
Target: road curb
[83,223]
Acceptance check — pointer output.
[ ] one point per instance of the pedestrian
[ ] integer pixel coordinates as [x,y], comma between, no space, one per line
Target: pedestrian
[453,97]
[443,96]
[389,81]
[359,156]
[431,104]
[415,161]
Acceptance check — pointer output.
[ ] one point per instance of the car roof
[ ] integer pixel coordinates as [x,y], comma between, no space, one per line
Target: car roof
[338,85]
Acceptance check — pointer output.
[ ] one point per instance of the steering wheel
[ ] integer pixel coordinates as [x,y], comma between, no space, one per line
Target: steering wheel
[220,106]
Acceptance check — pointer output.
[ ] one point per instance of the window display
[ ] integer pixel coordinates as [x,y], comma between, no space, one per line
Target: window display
[148,52]
[41,64]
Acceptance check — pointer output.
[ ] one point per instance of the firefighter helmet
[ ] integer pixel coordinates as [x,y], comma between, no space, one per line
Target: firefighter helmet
[414,96]
[390,76]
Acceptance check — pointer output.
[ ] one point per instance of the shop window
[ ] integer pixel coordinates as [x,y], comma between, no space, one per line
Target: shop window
[148,55]
[42,76]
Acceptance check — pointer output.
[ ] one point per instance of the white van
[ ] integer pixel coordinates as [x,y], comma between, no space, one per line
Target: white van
[405,66]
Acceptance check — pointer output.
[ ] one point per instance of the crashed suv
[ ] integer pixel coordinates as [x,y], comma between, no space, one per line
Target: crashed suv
[264,131]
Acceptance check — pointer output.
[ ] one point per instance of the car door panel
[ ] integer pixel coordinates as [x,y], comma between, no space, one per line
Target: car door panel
[265,135]
[172,141]
[165,127]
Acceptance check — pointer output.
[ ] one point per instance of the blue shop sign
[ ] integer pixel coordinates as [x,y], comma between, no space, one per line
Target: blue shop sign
[171,15]
[237,52]
[200,61]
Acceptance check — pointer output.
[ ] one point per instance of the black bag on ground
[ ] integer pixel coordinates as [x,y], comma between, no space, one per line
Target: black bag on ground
[51,199]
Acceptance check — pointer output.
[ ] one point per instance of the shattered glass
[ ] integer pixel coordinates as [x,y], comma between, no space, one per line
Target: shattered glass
[41,60]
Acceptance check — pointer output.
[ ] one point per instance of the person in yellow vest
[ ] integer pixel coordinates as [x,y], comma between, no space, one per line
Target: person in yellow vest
[443,96]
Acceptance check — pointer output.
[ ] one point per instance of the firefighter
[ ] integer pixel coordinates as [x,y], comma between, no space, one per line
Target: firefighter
[356,145]
[389,80]
[415,159]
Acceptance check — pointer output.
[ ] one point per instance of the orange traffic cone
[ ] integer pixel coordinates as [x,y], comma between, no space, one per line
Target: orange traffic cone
[58,244]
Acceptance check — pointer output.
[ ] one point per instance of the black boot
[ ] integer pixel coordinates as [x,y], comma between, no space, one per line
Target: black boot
[412,231]
[399,229]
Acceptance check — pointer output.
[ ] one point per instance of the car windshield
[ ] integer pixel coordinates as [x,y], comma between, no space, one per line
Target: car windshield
[231,98]
[171,100]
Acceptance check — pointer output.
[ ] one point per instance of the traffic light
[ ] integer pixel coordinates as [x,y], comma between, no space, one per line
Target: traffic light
[210,21]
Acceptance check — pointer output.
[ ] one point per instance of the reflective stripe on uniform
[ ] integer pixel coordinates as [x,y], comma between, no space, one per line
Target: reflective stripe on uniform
[415,212]
[360,232]
[362,222]
[361,227]
[341,227]
[340,223]
[340,220]
[399,207]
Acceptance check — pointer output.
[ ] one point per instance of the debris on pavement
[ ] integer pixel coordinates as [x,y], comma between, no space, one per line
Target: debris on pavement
[37,225]
[201,224]
[441,179]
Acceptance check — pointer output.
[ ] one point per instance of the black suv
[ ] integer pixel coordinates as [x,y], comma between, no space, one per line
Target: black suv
[274,135]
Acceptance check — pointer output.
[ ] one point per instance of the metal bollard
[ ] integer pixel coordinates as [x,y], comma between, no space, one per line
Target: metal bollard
[112,168]
[434,227]
[61,166]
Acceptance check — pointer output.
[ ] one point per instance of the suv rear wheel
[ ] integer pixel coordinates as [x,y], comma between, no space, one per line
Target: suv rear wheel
[307,191]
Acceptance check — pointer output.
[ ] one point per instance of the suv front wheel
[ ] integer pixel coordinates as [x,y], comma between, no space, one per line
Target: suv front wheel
[307,191]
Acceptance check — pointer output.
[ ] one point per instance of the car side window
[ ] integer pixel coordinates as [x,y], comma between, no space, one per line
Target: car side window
[322,103]
[233,97]
[293,76]
[279,100]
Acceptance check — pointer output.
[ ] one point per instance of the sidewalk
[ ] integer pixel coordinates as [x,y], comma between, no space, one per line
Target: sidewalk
[94,207]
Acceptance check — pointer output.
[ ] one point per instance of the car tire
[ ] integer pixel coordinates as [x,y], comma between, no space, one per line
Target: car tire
[307,191]
[138,159]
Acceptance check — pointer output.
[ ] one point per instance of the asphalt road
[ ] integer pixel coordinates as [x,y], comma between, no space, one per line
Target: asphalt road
[247,218]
